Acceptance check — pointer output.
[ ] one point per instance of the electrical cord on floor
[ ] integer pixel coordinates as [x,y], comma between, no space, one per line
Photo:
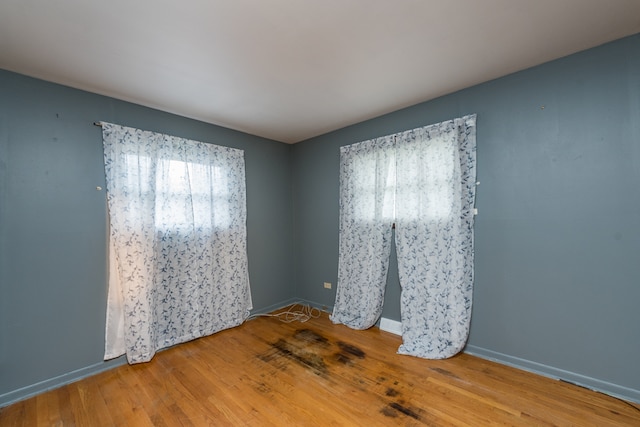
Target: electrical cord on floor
[292,314]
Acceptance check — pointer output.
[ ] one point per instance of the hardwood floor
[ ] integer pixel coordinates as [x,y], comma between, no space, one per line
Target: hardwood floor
[267,372]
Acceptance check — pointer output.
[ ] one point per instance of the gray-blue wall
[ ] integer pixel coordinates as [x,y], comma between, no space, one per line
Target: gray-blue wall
[557,237]
[557,272]
[53,225]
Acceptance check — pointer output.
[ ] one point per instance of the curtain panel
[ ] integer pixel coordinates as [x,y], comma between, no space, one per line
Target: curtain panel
[178,267]
[367,180]
[423,181]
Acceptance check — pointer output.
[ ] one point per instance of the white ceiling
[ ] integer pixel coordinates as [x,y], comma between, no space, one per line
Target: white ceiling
[293,69]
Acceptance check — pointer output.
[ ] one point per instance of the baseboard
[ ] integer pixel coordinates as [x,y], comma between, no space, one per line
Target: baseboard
[289,302]
[392,326]
[274,307]
[70,377]
[321,307]
[387,325]
[594,384]
[395,327]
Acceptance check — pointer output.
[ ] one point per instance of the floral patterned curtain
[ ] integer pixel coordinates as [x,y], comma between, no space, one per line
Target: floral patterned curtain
[435,193]
[178,266]
[367,176]
[432,178]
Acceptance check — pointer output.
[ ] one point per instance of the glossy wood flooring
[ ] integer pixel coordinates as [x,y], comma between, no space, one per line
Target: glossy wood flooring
[266,372]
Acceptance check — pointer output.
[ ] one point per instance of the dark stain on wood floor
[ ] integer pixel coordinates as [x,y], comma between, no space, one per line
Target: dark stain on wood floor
[398,406]
[311,350]
[391,392]
[310,336]
[307,359]
[351,349]
[445,372]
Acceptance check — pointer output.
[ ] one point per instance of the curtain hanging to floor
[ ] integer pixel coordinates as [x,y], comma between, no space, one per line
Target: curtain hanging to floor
[178,267]
[435,196]
[428,191]
[367,193]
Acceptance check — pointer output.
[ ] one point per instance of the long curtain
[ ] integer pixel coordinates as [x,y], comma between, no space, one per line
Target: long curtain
[435,195]
[423,180]
[367,173]
[178,267]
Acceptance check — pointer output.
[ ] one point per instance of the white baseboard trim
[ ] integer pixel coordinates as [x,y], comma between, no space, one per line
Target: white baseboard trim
[392,326]
[594,384]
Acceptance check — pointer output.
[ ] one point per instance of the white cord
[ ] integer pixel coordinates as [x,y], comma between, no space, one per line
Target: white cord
[289,315]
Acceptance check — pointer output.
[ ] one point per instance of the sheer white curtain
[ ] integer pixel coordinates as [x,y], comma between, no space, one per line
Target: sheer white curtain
[424,181]
[178,266]
[367,175]
[435,195]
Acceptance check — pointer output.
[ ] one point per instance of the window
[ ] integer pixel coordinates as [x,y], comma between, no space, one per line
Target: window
[423,183]
[178,265]
[374,175]
[424,180]
[188,195]
[195,195]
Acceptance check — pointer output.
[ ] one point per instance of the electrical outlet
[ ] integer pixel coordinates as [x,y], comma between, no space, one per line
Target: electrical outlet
[327,285]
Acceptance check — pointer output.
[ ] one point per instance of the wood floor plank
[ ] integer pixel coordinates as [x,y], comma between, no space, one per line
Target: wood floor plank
[270,373]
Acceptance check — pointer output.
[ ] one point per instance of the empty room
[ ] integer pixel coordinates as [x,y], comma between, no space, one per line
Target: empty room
[358,212]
